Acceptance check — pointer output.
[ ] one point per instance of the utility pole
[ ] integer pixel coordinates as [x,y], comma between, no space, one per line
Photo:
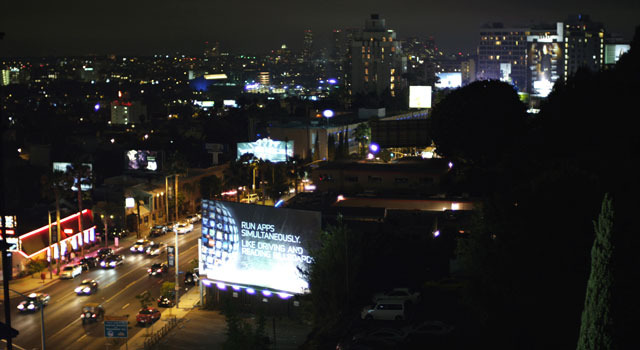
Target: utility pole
[50,251]
[177,288]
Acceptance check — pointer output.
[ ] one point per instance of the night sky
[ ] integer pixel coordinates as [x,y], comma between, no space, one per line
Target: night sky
[143,27]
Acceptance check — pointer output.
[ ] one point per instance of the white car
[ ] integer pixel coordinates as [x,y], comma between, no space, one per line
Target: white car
[404,294]
[71,271]
[390,310]
[183,228]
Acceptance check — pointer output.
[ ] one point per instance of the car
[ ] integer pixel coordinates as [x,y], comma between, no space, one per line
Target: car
[88,262]
[404,294]
[92,312]
[157,231]
[111,261]
[193,218]
[103,253]
[158,269]
[384,336]
[183,228]
[167,300]
[191,278]
[148,315]
[33,302]
[429,328]
[155,249]
[71,271]
[385,310]
[140,246]
[250,198]
[87,287]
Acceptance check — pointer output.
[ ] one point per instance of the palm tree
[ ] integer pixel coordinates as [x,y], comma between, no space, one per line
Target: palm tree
[238,173]
[54,186]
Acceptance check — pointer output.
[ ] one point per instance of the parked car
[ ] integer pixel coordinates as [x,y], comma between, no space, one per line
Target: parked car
[385,310]
[148,315]
[33,302]
[111,261]
[140,246]
[158,230]
[183,228]
[89,262]
[191,278]
[382,337]
[167,300]
[92,312]
[158,269]
[429,328]
[404,294]
[155,249]
[71,271]
[87,287]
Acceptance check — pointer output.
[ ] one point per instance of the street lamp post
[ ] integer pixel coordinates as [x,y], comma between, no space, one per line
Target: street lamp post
[177,288]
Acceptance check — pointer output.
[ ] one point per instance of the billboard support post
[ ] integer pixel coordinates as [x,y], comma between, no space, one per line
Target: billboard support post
[176,231]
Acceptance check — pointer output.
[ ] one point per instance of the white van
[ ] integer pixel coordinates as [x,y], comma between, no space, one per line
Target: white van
[385,309]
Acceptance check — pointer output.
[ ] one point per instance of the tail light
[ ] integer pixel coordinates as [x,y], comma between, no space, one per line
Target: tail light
[149,270]
[81,315]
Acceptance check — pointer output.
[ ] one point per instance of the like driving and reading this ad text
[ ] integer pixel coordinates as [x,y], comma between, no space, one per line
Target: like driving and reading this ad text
[256,245]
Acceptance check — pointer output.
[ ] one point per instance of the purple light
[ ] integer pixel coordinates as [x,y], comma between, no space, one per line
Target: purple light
[96,107]
[332,81]
[206,283]
[436,233]
[374,147]
[284,295]
[236,288]
[221,286]
[267,293]
[251,291]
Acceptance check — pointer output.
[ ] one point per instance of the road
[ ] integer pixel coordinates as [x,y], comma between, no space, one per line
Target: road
[117,293]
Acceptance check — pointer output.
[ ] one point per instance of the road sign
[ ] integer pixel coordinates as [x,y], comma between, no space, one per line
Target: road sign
[116,327]
[171,256]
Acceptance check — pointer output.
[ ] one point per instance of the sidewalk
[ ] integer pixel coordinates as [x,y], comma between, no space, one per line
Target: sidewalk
[188,302]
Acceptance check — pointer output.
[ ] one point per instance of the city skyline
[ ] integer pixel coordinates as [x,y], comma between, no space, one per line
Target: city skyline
[146,28]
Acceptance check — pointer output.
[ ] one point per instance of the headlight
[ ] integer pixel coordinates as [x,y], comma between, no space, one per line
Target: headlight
[31,307]
[86,289]
[133,249]
[102,263]
[140,249]
[78,290]
[113,263]
[20,307]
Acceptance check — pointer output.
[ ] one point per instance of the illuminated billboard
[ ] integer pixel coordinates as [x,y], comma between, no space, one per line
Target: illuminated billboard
[267,149]
[419,96]
[450,80]
[67,168]
[143,160]
[544,62]
[254,245]
[612,52]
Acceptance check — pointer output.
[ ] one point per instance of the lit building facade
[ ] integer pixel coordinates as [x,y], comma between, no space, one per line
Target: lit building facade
[124,113]
[502,55]
[377,62]
[583,45]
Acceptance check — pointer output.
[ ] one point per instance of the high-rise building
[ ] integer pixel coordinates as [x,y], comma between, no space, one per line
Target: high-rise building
[212,49]
[377,62]
[127,112]
[583,45]
[307,45]
[545,58]
[502,55]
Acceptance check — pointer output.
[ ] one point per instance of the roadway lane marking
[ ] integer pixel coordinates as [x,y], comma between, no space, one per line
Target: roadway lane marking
[79,339]
[14,344]
[124,307]
[63,329]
